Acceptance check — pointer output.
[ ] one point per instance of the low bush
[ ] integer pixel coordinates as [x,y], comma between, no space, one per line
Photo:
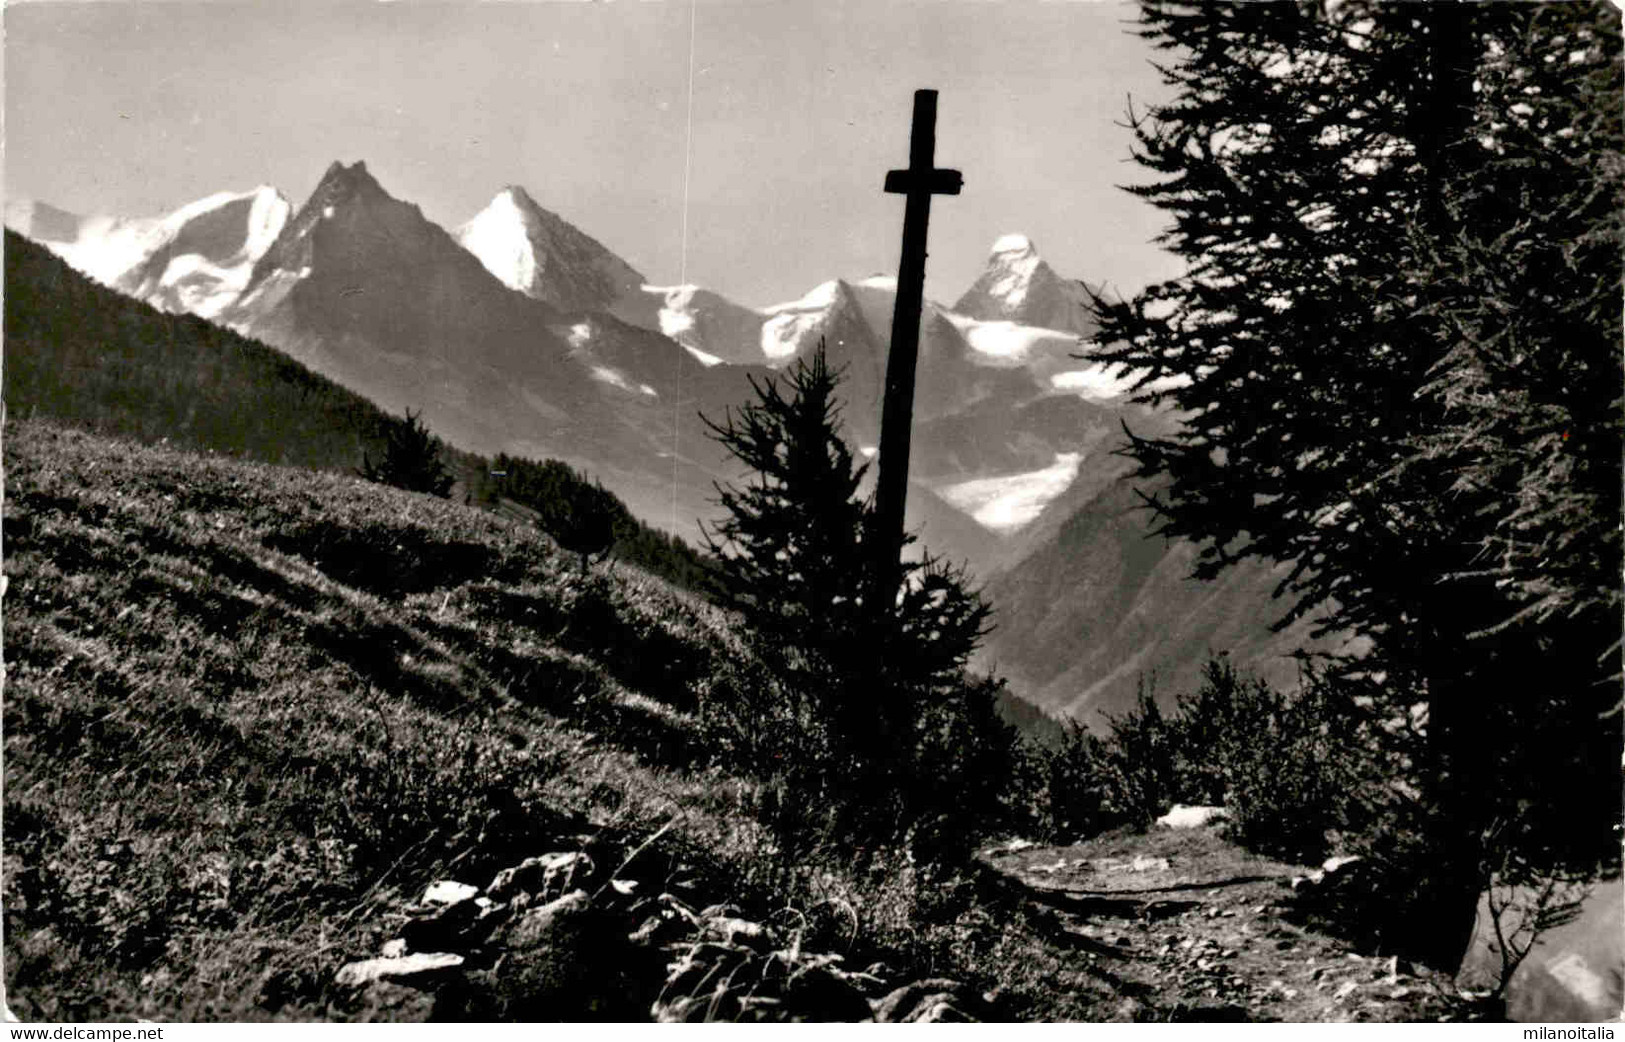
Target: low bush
[1061,790]
[1295,771]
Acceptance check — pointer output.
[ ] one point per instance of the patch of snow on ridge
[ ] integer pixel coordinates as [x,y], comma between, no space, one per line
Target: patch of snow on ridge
[712,327]
[1006,503]
[818,298]
[1015,242]
[266,219]
[706,360]
[792,324]
[1003,343]
[202,288]
[611,377]
[676,308]
[783,335]
[1097,382]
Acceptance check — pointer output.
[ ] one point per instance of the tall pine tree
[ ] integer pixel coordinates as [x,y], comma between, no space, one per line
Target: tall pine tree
[1378,392]
[792,552]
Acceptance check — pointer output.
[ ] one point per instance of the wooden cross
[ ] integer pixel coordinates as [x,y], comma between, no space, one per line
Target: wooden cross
[918,184]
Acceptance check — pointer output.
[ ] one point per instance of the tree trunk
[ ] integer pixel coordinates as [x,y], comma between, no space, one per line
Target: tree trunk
[1448,899]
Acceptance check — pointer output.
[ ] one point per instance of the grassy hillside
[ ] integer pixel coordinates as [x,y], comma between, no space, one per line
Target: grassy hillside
[79,352]
[243,701]
[250,710]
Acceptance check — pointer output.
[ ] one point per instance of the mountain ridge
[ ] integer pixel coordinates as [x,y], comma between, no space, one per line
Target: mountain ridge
[1014,459]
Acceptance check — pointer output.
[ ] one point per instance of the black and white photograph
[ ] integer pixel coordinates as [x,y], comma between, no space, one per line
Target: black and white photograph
[812,511]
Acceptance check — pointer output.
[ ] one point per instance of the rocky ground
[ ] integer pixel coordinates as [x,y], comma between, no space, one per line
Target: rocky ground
[1189,927]
[588,934]
[1179,926]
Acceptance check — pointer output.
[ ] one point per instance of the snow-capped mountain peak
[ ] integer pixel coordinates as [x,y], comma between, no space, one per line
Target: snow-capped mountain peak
[1017,285]
[197,258]
[538,253]
[499,236]
[794,328]
[209,250]
[1015,242]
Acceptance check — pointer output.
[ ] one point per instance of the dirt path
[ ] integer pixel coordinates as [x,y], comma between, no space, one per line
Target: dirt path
[1191,928]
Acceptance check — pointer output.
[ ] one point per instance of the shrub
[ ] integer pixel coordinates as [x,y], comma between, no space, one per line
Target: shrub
[1143,760]
[1296,771]
[410,460]
[1064,789]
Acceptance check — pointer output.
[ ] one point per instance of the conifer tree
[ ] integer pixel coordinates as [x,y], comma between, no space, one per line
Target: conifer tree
[793,559]
[791,545]
[1400,222]
[585,521]
[410,460]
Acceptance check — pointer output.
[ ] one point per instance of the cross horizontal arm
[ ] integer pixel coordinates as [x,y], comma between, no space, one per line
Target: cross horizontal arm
[936,182]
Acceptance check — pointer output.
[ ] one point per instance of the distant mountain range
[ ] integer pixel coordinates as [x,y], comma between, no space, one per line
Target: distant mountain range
[519,333]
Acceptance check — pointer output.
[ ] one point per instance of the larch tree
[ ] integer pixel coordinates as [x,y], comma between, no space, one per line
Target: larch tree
[1396,349]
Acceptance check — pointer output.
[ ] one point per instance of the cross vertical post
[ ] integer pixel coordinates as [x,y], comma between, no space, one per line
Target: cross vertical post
[918,184]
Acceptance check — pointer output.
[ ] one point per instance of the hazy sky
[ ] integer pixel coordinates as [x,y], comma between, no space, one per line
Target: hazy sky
[798,110]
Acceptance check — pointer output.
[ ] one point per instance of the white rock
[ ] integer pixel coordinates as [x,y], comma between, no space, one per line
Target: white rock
[1183,817]
[406,967]
[448,892]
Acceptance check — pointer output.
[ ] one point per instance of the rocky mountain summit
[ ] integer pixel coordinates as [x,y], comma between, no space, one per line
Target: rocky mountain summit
[1019,286]
[545,257]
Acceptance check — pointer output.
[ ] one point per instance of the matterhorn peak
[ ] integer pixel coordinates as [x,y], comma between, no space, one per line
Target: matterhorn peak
[1013,243]
[1019,286]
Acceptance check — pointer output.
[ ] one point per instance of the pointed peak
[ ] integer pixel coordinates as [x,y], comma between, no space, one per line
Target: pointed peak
[821,297]
[1013,243]
[518,194]
[352,178]
[267,192]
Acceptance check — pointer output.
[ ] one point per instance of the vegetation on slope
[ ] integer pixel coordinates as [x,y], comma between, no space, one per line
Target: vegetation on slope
[87,355]
[83,353]
[249,708]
